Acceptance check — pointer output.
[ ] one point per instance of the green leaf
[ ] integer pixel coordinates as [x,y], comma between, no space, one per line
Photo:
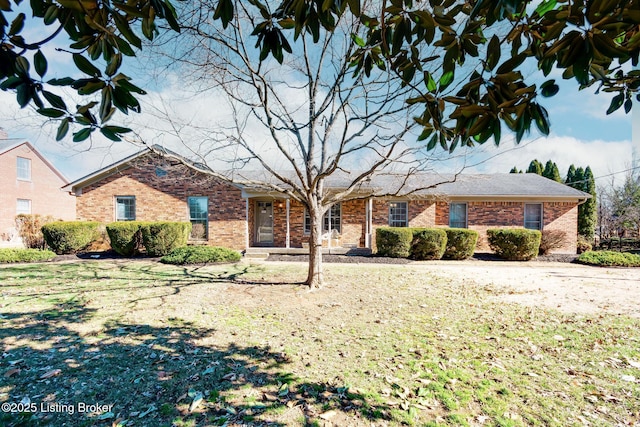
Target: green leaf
[493,53]
[446,79]
[66,81]
[110,134]
[62,129]
[616,103]
[40,63]
[358,40]
[224,11]
[82,134]
[17,24]
[546,6]
[287,23]
[549,88]
[85,65]
[54,100]
[51,14]
[51,112]
[431,83]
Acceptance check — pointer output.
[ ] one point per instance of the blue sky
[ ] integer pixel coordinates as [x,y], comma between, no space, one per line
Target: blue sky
[581,133]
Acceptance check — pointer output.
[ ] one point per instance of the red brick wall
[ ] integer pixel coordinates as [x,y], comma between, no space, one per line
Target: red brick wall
[510,214]
[44,189]
[164,198]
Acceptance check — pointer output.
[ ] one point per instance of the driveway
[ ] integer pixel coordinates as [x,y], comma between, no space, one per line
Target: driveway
[567,287]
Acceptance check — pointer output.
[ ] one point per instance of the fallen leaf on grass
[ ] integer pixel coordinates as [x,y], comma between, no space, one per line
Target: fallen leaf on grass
[328,415]
[11,372]
[197,400]
[51,373]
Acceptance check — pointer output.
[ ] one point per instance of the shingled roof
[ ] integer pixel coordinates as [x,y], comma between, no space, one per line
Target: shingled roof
[419,185]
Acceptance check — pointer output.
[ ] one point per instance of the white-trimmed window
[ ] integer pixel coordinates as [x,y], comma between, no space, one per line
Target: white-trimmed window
[398,214]
[199,217]
[458,215]
[533,216]
[332,218]
[23,206]
[23,169]
[125,208]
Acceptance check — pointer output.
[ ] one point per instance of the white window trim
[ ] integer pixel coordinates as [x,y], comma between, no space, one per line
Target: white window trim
[18,169]
[466,214]
[134,208]
[306,224]
[406,202]
[18,212]
[206,226]
[541,215]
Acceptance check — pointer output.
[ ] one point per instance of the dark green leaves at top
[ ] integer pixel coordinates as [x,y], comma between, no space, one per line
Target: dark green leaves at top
[85,65]
[493,53]
[224,11]
[616,102]
[40,63]
[549,88]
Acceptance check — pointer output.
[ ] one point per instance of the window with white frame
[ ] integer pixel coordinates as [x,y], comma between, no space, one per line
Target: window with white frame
[23,206]
[458,215]
[23,169]
[533,216]
[332,219]
[199,217]
[398,214]
[125,208]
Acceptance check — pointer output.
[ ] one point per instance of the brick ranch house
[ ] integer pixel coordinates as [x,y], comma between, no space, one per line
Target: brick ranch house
[148,187]
[29,185]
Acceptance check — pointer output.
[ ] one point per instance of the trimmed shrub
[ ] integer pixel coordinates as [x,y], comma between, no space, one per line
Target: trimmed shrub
[428,243]
[394,242]
[160,238]
[550,240]
[125,237]
[609,259]
[25,255]
[30,229]
[201,255]
[70,237]
[461,243]
[518,244]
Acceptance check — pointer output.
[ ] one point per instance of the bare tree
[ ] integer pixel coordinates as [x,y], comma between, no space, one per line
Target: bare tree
[301,122]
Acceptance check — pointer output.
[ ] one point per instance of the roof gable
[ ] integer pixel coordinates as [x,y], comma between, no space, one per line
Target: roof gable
[11,144]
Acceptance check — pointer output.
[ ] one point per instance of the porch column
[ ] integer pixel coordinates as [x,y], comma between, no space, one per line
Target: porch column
[288,239]
[368,222]
[246,224]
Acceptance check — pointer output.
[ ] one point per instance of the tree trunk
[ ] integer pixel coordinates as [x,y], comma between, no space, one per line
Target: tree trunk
[315,277]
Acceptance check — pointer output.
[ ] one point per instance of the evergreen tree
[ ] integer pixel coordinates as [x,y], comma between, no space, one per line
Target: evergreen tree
[535,167]
[588,212]
[571,176]
[551,171]
[515,170]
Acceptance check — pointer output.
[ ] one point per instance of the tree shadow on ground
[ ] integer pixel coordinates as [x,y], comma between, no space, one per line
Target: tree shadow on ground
[149,375]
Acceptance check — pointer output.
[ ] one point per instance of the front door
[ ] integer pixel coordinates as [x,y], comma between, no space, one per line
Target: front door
[264,223]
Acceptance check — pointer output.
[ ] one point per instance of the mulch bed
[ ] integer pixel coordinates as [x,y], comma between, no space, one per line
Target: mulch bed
[355,259]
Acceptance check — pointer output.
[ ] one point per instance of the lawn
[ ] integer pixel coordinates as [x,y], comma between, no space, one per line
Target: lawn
[113,343]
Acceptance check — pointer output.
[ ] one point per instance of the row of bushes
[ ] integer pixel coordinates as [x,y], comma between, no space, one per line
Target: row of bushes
[157,238]
[127,238]
[455,243]
[426,243]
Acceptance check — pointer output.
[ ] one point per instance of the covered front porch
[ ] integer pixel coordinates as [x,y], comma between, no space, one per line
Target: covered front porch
[277,223]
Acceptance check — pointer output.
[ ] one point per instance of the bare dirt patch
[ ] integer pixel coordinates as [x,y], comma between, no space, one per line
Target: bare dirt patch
[571,288]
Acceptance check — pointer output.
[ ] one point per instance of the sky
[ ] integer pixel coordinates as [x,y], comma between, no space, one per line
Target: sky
[581,133]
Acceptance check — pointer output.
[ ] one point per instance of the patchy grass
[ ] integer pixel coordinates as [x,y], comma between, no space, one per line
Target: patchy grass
[161,345]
